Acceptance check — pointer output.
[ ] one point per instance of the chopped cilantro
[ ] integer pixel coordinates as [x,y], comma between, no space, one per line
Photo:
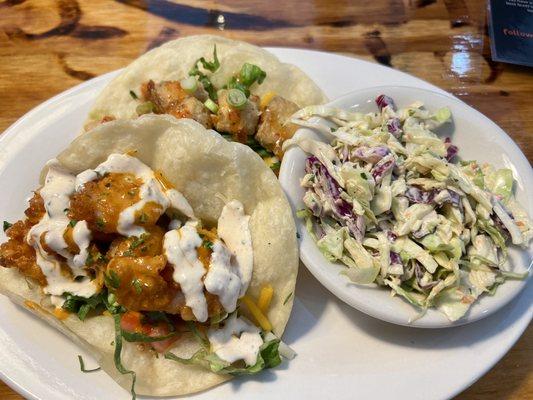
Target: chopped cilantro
[82,305]
[7,225]
[82,366]
[112,280]
[208,244]
[140,240]
[90,259]
[143,218]
[137,286]
[134,95]
[287,298]
[117,354]
[72,223]
[275,166]
[100,223]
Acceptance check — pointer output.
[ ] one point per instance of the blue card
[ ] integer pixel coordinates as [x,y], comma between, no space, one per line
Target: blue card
[511,31]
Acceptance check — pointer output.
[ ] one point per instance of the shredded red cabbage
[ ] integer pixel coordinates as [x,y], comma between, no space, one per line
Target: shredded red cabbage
[394,126]
[451,149]
[382,167]
[383,101]
[342,210]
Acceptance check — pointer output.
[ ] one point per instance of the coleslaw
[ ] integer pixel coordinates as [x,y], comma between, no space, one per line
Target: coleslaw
[388,198]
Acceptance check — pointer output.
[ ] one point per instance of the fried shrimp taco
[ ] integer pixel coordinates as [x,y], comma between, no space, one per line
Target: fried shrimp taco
[164,250]
[240,90]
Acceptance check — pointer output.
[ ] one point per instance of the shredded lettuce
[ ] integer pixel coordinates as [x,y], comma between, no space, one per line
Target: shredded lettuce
[268,357]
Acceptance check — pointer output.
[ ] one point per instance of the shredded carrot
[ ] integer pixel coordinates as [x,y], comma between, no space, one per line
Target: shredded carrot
[265,297]
[266,99]
[261,319]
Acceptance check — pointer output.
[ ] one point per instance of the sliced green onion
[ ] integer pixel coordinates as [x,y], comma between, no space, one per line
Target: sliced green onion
[236,98]
[145,108]
[189,84]
[211,105]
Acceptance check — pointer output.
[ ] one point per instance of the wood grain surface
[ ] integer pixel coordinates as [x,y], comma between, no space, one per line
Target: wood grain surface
[47,46]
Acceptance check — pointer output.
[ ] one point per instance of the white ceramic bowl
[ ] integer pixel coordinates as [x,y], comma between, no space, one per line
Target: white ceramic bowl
[477,138]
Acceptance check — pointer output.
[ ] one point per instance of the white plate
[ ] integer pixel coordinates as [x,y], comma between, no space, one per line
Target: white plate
[342,353]
[478,138]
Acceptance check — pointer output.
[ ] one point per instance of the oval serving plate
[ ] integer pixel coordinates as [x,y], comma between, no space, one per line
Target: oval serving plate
[341,351]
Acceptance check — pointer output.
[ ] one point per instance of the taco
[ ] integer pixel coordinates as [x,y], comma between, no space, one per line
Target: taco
[164,250]
[240,90]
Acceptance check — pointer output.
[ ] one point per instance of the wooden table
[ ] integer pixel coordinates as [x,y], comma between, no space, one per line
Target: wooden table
[47,46]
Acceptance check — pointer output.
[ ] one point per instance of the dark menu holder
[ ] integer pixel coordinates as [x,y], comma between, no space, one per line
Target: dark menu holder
[511,31]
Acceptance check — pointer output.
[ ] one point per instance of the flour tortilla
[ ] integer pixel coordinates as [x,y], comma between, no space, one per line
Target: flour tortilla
[173,60]
[206,169]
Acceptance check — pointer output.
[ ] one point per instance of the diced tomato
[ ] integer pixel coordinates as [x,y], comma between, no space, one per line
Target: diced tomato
[161,330]
[131,321]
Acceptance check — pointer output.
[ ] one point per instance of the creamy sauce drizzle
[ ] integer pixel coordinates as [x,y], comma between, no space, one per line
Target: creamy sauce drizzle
[231,264]
[237,340]
[234,230]
[151,191]
[223,278]
[180,249]
[230,267]
[58,187]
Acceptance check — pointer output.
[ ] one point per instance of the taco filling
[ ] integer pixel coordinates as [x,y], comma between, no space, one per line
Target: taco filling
[119,240]
[262,123]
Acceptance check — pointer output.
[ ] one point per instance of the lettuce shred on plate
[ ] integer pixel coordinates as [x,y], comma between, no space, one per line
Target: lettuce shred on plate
[388,199]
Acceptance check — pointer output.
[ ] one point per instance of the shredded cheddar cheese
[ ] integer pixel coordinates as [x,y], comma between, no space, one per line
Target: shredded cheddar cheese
[261,319]
[266,99]
[32,305]
[265,298]
[163,180]
[60,313]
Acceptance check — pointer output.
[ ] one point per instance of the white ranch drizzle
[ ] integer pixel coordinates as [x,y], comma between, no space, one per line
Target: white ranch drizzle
[223,278]
[234,230]
[150,191]
[180,249]
[237,340]
[59,186]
